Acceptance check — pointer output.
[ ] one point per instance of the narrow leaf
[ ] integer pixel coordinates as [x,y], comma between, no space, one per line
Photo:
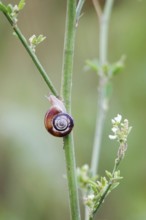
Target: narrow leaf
[21,4]
[92,65]
[3,8]
[109,175]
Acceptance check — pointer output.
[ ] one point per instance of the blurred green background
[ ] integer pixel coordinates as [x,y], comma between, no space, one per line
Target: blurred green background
[32,164]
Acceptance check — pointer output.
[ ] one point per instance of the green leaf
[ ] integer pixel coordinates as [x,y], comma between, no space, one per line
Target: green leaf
[92,65]
[9,9]
[103,181]
[3,8]
[40,38]
[114,185]
[93,185]
[36,40]
[117,67]
[21,4]
[109,174]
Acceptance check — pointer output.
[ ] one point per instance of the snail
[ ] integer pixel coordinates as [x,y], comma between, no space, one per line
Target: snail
[57,121]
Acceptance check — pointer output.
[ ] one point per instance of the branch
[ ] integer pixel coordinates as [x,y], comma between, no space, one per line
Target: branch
[78,10]
[97,8]
[66,85]
[32,54]
[102,104]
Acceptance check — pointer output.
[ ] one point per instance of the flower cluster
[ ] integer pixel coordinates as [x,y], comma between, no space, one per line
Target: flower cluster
[95,188]
[34,41]
[120,130]
[14,10]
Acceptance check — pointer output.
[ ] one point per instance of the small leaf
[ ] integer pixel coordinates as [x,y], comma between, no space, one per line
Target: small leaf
[40,38]
[21,4]
[3,8]
[103,181]
[9,9]
[92,65]
[36,40]
[109,174]
[117,67]
[117,176]
[94,186]
[114,185]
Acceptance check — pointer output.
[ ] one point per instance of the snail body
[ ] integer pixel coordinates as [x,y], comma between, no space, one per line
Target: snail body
[57,121]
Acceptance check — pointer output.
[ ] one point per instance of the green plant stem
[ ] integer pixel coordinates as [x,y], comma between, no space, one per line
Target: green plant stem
[66,85]
[109,184]
[103,81]
[32,55]
[102,104]
[78,10]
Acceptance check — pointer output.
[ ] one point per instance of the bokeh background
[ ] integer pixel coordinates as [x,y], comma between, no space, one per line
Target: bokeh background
[32,165]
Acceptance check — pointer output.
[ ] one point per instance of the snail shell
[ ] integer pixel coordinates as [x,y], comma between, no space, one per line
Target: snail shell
[57,121]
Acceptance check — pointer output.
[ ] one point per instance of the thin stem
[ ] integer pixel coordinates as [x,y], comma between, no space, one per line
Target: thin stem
[104,26]
[102,99]
[66,85]
[109,184]
[102,104]
[78,10]
[97,8]
[32,55]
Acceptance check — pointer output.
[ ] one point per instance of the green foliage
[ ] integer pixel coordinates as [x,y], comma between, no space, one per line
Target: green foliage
[21,4]
[95,189]
[109,70]
[11,10]
[3,8]
[92,65]
[35,41]
[84,176]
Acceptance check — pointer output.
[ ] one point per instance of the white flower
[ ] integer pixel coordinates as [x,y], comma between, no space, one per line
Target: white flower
[15,8]
[32,38]
[115,129]
[118,118]
[91,197]
[113,121]
[120,130]
[112,137]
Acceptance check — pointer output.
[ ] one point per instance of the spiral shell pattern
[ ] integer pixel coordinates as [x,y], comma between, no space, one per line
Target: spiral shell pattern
[63,122]
[57,121]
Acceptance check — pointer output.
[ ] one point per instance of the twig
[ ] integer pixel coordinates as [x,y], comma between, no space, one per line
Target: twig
[108,186]
[97,8]
[102,99]
[32,55]
[66,85]
[78,10]
[102,104]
